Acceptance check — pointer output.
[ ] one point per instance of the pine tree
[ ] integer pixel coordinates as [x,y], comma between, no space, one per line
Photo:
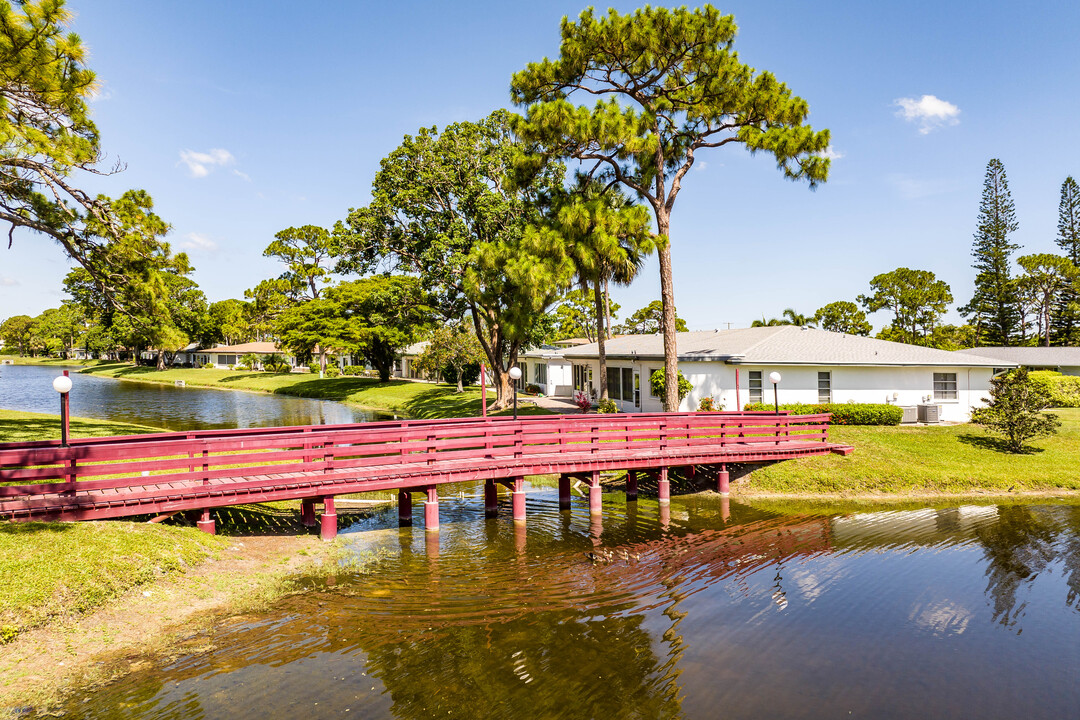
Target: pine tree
[1066,323]
[993,308]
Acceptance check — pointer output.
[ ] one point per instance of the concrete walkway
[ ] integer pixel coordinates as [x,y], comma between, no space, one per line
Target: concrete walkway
[561,405]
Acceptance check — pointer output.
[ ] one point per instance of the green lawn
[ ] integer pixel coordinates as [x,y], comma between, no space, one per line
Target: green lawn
[415,399]
[58,570]
[18,426]
[947,459]
[18,360]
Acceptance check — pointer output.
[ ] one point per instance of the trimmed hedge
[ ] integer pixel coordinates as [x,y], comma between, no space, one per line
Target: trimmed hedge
[1064,390]
[842,413]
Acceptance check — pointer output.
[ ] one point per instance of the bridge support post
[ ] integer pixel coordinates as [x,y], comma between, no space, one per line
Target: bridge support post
[431,509]
[206,522]
[596,496]
[307,512]
[519,499]
[564,492]
[491,499]
[631,485]
[329,519]
[404,507]
[664,486]
[722,481]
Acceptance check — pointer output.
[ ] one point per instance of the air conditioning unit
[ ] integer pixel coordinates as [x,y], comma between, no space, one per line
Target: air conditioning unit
[929,413]
[911,414]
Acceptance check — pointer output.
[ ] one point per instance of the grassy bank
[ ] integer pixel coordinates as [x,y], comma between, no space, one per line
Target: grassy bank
[20,360]
[909,460]
[415,399]
[16,426]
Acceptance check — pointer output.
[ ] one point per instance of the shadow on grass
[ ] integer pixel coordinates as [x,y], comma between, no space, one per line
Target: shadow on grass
[987,442]
[334,388]
[264,520]
[17,529]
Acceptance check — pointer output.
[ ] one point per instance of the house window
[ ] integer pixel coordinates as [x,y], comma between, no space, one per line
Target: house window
[540,373]
[945,386]
[824,387]
[226,360]
[614,383]
[628,384]
[524,379]
[755,387]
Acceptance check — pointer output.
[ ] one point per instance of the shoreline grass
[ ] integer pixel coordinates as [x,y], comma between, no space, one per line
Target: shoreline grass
[952,459]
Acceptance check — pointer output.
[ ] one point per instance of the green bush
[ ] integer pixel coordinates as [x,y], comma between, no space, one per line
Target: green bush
[708,404]
[842,413]
[659,385]
[208,366]
[332,371]
[607,406]
[352,370]
[1064,390]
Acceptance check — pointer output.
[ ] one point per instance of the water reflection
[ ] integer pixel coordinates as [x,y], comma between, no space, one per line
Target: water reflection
[756,614]
[29,388]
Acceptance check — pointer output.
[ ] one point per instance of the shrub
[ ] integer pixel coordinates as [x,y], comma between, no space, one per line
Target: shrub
[352,370]
[531,389]
[1015,410]
[607,407]
[659,384]
[1063,390]
[331,371]
[582,400]
[707,404]
[208,366]
[842,413]
[275,363]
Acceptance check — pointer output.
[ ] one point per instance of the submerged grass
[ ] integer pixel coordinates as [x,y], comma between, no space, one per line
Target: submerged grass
[947,459]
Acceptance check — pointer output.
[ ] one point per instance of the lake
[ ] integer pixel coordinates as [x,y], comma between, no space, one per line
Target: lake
[29,388]
[717,609]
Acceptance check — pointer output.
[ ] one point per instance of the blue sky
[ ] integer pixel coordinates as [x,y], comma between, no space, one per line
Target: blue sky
[242,119]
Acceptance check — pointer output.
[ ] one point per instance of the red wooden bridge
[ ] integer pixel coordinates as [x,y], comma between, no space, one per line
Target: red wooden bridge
[162,474]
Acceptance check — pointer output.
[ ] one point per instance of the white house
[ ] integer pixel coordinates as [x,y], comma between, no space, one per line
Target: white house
[548,369]
[225,356]
[1065,360]
[733,367]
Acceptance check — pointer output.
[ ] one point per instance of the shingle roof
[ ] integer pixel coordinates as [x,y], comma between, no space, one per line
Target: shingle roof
[251,347]
[1031,356]
[782,345]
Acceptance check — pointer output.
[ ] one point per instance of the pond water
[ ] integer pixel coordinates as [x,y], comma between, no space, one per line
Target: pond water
[715,609]
[29,388]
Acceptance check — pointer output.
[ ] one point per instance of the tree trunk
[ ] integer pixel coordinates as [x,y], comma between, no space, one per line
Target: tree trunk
[667,299]
[160,359]
[600,340]
[322,362]
[460,387]
[607,308]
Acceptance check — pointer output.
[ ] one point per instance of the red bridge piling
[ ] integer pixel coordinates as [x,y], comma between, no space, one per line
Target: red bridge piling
[564,491]
[329,519]
[491,499]
[206,522]
[596,494]
[631,485]
[664,486]
[431,509]
[519,500]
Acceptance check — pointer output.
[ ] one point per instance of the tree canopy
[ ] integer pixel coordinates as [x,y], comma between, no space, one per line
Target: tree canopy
[648,321]
[916,298]
[667,85]
[843,317]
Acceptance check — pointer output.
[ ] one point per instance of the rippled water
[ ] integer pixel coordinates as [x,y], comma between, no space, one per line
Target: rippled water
[709,610]
[29,388]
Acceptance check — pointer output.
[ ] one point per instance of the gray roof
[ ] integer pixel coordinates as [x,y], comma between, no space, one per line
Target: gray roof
[1031,356]
[782,345]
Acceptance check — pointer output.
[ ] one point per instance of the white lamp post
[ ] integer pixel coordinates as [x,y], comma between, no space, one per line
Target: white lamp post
[62,385]
[774,378]
[515,375]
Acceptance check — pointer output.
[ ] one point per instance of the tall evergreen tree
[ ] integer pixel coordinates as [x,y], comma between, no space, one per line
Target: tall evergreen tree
[993,308]
[1066,321]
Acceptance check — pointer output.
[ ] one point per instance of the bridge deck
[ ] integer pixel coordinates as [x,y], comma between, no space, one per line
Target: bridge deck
[170,472]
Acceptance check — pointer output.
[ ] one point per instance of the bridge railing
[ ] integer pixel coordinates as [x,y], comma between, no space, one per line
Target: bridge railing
[401,446]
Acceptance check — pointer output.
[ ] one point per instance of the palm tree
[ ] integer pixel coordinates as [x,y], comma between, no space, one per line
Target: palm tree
[607,236]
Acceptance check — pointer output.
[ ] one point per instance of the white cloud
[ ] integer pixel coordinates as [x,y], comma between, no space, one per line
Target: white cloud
[201,164]
[241,174]
[832,153]
[929,112]
[701,164]
[198,242]
[8,282]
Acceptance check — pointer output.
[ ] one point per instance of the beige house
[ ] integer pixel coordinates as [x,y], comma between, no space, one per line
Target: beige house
[226,356]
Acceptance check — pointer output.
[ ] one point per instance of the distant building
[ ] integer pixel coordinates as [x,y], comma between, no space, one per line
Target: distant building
[226,356]
[1065,360]
[733,367]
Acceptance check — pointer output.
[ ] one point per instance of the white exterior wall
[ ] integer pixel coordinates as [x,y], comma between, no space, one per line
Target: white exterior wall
[799,384]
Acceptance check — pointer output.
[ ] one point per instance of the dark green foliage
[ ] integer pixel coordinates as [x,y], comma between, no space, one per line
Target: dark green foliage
[606,406]
[917,300]
[843,317]
[1015,409]
[648,321]
[1065,324]
[993,309]
[842,413]
[1064,390]
[275,363]
[658,384]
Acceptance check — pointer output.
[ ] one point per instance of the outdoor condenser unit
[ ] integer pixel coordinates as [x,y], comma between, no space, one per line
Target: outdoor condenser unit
[911,414]
[929,413]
